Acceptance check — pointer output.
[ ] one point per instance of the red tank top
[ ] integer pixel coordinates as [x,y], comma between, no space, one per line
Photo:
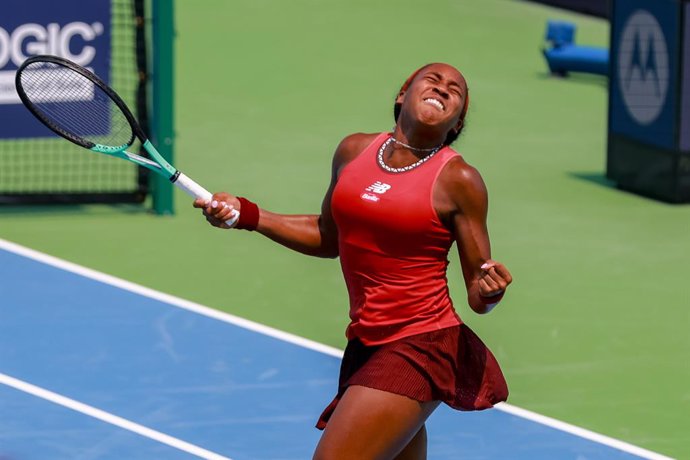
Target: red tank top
[393,248]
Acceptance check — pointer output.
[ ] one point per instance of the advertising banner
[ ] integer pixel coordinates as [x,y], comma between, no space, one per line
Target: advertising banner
[685,91]
[644,56]
[74,29]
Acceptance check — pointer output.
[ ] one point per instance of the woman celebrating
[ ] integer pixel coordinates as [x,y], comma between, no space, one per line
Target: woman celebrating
[395,205]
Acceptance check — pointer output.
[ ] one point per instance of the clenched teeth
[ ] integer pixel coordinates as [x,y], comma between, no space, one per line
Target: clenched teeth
[435,102]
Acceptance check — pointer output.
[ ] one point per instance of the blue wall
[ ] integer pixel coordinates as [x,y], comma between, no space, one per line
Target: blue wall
[593,7]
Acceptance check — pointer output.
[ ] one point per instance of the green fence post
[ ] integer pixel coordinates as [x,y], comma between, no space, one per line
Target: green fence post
[162,113]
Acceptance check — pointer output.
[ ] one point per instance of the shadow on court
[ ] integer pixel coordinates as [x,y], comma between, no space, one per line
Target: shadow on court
[71,209]
[577,78]
[598,178]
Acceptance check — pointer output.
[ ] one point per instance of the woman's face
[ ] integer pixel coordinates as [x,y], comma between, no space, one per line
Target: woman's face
[436,97]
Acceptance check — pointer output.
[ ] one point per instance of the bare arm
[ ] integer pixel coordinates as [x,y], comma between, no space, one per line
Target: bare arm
[314,235]
[462,199]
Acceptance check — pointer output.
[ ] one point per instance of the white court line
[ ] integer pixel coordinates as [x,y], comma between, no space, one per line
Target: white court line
[291,338]
[109,418]
[581,432]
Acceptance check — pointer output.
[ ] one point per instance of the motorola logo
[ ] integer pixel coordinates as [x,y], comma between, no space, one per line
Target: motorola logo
[643,67]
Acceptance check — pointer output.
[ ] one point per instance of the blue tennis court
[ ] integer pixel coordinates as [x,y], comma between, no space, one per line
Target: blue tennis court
[93,367]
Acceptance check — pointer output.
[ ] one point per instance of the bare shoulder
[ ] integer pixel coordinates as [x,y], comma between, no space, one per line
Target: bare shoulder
[351,146]
[463,184]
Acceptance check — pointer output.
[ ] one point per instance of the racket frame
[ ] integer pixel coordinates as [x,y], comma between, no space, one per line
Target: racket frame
[117,151]
[157,163]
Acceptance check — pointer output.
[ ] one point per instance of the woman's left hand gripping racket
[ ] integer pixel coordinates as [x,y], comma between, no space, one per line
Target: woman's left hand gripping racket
[74,103]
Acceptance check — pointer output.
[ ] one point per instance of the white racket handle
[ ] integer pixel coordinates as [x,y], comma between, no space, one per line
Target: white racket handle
[183,182]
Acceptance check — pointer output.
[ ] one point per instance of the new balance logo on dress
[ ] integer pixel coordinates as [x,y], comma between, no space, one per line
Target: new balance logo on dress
[378,188]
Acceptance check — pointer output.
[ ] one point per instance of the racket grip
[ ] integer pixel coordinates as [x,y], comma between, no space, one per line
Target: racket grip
[184,183]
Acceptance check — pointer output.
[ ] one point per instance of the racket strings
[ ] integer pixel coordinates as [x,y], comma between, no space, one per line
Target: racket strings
[75,105]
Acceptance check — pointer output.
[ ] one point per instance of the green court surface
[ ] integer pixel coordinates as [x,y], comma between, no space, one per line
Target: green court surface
[594,330]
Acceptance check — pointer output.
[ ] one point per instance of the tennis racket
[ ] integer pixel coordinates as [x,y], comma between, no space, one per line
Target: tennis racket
[76,104]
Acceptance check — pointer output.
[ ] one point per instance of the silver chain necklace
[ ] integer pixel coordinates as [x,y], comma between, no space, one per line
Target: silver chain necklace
[404,168]
[416,149]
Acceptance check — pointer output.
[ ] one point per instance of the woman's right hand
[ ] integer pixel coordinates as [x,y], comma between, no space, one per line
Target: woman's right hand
[218,209]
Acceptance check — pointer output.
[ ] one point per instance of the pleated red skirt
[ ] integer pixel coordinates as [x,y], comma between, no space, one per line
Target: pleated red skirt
[451,365]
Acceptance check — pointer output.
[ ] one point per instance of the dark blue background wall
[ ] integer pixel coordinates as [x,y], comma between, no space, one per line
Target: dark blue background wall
[593,7]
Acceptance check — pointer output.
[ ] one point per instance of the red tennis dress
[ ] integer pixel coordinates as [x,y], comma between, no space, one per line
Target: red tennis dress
[393,248]
[404,334]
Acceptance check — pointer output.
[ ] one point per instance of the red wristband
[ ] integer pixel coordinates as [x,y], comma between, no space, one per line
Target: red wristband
[249,215]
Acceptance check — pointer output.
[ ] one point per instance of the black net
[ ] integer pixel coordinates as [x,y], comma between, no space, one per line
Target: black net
[53,170]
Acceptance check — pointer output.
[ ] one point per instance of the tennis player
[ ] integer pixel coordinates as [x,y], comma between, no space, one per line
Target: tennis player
[396,204]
